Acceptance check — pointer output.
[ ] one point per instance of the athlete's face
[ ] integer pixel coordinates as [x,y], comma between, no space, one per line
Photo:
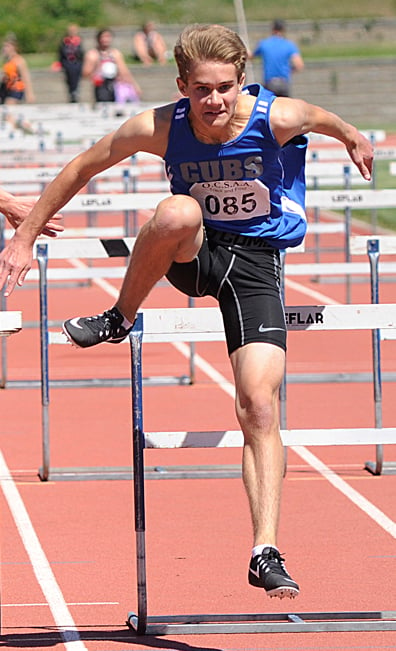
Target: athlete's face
[213,89]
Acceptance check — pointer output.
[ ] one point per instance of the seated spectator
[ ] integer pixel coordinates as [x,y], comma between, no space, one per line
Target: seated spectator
[149,45]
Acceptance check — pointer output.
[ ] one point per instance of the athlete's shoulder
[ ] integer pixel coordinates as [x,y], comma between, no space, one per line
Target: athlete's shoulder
[149,129]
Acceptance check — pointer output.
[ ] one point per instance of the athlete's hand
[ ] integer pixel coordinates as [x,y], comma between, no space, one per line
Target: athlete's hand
[15,261]
[19,209]
[361,152]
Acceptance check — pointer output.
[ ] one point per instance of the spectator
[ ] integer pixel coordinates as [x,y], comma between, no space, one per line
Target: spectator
[16,84]
[105,66]
[71,55]
[149,45]
[280,58]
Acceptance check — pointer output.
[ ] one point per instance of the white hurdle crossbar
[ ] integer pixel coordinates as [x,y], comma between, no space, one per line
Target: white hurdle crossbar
[371,245]
[205,324]
[76,248]
[10,323]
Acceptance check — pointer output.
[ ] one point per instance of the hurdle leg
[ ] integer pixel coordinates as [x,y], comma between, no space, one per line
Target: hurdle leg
[373,253]
[347,215]
[42,260]
[3,379]
[138,621]
[283,386]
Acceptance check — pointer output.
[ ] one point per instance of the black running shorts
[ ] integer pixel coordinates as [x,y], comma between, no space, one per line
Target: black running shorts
[243,274]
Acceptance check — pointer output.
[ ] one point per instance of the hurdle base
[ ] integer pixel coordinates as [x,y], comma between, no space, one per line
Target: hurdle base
[150,472]
[388,467]
[95,383]
[265,623]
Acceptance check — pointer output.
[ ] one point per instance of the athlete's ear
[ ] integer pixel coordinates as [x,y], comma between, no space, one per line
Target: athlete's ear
[242,81]
[181,86]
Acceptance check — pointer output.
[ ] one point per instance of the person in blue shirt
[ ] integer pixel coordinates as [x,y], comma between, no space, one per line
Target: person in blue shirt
[280,57]
[235,161]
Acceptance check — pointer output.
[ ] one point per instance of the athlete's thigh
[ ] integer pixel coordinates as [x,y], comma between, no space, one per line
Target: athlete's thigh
[250,301]
[193,278]
[258,370]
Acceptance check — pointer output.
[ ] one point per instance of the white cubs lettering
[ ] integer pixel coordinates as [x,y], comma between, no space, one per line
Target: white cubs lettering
[228,168]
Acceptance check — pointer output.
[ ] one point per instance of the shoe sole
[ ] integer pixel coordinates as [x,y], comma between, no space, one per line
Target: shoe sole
[281,591]
[73,343]
[69,338]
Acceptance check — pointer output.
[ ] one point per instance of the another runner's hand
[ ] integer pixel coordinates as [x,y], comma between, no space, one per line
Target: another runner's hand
[15,262]
[18,210]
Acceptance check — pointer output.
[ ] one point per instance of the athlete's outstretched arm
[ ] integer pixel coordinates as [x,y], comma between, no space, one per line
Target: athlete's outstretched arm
[147,131]
[291,117]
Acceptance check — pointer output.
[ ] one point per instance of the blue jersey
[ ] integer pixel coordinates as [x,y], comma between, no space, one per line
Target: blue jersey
[250,185]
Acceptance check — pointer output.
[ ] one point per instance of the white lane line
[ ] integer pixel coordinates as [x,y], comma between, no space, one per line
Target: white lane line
[40,564]
[372,511]
[71,603]
[100,282]
[312,293]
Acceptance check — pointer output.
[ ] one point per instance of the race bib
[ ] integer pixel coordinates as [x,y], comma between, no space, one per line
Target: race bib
[232,200]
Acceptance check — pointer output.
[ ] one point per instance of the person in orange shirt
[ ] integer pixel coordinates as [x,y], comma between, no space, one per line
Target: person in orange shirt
[16,84]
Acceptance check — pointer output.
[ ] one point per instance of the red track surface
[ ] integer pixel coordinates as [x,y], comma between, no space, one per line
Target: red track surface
[198,530]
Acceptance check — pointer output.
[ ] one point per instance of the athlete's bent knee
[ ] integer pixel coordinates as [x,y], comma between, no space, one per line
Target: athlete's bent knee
[178,213]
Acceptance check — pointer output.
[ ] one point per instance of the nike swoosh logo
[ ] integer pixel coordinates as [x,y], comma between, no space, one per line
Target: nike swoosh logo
[255,572]
[261,328]
[74,323]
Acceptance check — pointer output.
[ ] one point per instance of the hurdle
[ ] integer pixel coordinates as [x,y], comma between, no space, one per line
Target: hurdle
[205,324]
[349,200]
[77,248]
[88,203]
[359,245]
[58,249]
[10,323]
[376,246]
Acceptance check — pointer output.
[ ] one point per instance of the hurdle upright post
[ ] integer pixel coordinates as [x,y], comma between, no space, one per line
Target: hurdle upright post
[3,306]
[373,254]
[282,388]
[42,260]
[127,228]
[347,174]
[374,185]
[139,622]
[316,214]
[283,385]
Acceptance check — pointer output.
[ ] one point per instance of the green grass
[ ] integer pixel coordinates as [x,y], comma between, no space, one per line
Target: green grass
[348,51]
[385,218]
[124,12]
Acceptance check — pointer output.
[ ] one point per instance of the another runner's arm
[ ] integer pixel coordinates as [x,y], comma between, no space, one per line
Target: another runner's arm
[292,117]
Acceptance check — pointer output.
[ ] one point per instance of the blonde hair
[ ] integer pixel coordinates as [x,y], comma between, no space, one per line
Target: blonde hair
[209,43]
